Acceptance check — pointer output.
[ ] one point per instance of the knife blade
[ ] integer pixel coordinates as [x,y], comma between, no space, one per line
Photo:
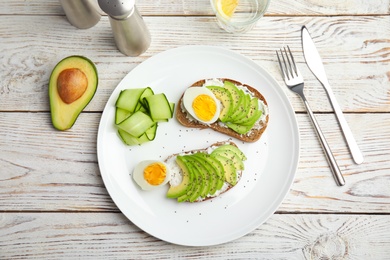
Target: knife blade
[314,62]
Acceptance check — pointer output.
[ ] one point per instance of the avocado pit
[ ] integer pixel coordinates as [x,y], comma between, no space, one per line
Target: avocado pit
[71,84]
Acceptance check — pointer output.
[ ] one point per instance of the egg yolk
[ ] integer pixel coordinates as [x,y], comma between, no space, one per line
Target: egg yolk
[204,107]
[155,173]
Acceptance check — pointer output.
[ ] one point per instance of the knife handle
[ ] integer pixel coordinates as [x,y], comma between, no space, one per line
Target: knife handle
[329,155]
[351,142]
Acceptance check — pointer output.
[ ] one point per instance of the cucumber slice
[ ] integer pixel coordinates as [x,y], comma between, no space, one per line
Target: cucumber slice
[137,113]
[131,140]
[172,105]
[159,107]
[121,114]
[128,98]
[151,132]
[140,105]
[136,124]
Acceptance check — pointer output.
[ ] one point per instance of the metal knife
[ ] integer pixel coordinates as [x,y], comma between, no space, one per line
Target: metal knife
[313,60]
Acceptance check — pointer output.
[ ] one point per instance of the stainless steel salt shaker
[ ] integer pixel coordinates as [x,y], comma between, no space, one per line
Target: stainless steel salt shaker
[131,35]
[82,14]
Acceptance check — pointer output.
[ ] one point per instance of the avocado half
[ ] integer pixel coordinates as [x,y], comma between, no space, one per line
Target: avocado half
[73,83]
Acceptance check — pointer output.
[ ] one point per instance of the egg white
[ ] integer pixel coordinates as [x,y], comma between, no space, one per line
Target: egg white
[188,98]
[138,175]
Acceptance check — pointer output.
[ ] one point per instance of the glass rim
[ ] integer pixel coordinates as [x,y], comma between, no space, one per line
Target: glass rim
[240,23]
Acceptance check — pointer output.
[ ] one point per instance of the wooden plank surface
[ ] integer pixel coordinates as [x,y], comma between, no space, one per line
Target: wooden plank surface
[58,171]
[202,7]
[354,50]
[53,202]
[112,236]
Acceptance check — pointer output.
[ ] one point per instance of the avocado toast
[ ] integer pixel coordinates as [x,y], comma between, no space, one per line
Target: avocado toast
[205,173]
[244,110]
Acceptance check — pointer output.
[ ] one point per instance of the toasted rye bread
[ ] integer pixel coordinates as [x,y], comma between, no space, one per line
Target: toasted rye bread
[229,186]
[251,136]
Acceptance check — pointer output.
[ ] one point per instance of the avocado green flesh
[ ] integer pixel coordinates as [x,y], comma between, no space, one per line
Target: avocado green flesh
[186,183]
[215,180]
[64,115]
[198,184]
[240,111]
[225,97]
[231,156]
[205,174]
[242,108]
[234,149]
[229,169]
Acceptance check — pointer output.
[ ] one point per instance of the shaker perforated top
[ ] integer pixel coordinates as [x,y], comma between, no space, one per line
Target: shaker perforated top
[118,9]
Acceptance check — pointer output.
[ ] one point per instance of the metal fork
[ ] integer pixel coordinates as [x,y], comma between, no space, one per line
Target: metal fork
[294,81]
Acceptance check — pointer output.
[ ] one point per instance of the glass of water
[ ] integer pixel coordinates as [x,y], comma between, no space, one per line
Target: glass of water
[238,16]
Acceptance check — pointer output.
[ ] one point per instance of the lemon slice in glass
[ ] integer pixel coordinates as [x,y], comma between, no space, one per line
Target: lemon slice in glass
[226,8]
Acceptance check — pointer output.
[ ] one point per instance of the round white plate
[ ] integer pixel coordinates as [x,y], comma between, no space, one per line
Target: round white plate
[269,169]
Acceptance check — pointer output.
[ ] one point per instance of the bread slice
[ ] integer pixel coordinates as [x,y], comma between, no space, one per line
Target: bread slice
[226,186]
[252,136]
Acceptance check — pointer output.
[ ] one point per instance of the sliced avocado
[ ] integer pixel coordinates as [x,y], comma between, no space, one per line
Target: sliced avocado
[233,148]
[223,95]
[236,96]
[73,83]
[217,169]
[252,119]
[185,185]
[196,183]
[230,170]
[246,108]
[242,109]
[253,113]
[213,175]
[200,183]
[241,129]
[232,156]
[206,174]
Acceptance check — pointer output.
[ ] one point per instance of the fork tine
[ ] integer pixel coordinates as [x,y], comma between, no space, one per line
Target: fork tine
[294,66]
[287,66]
[290,61]
[280,64]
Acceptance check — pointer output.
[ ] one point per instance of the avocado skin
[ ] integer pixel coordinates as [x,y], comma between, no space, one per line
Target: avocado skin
[63,116]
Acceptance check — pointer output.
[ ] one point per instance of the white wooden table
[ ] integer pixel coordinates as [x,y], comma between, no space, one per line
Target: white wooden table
[53,203]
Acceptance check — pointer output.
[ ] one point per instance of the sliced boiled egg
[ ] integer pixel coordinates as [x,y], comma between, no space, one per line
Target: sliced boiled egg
[151,174]
[202,104]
